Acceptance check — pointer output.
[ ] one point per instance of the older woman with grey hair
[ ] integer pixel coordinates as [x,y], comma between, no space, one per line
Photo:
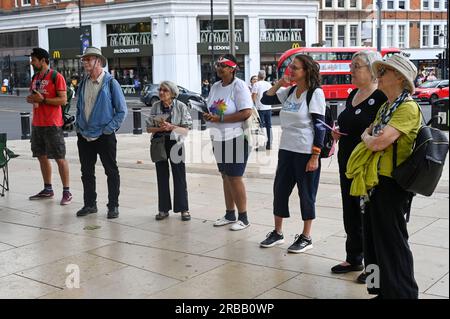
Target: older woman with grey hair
[388,139]
[361,108]
[169,121]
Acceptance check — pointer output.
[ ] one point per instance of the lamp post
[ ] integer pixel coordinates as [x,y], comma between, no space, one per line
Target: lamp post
[80,24]
[213,78]
[379,26]
[443,58]
[231,23]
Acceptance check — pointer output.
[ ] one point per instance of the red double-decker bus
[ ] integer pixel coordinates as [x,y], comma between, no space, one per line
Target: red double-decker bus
[334,67]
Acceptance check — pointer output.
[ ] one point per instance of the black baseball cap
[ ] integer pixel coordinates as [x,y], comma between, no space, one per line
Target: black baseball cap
[39,53]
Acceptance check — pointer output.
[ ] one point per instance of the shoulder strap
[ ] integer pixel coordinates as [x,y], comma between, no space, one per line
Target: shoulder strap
[309,96]
[291,90]
[54,74]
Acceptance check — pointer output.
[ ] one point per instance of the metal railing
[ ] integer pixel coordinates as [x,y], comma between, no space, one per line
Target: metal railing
[280,35]
[129,39]
[220,36]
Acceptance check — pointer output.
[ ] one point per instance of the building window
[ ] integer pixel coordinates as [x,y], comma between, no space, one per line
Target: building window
[446,4]
[426,5]
[401,36]
[436,30]
[445,35]
[281,30]
[390,4]
[341,35]
[425,35]
[390,36]
[402,5]
[329,35]
[353,35]
[341,3]
[26,2]
[436,4]
[352,3]
[328,3]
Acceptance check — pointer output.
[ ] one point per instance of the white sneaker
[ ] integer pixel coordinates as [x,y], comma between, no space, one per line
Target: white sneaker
[239,225]
[223,221]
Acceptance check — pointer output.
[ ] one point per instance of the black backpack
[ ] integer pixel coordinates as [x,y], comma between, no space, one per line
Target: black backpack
[421,171]
[68,119]
[328,142]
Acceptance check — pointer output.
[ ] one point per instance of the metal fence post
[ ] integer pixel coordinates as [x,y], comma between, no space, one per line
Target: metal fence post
[137,129]
[25,121]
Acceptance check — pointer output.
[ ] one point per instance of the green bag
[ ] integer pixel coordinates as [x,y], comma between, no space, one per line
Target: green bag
[158,149]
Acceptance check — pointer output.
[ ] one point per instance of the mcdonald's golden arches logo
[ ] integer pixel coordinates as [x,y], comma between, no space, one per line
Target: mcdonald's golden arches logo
[295,45]
[56,55]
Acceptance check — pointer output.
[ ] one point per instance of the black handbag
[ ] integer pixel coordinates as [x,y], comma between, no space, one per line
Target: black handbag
[158,149]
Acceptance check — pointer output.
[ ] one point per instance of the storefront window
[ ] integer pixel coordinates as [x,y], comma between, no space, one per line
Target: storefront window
[221,31]
[131,73]
[281,30]
[129,34]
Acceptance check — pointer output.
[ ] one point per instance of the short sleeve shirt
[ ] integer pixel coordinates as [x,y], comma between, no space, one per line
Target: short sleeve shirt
[296,121]
[259,88]
[406,119]
[44,114]
[227,100]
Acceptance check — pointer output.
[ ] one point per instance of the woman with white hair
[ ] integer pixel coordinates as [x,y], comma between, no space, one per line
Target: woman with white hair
[361,108]
[169,121]
[389,138]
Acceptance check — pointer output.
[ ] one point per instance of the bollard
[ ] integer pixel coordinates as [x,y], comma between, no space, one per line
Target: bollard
[25,121]
[137,129]
[17,92]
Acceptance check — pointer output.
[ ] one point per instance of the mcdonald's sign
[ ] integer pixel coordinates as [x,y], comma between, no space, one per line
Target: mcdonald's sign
[56,54]
[295,45]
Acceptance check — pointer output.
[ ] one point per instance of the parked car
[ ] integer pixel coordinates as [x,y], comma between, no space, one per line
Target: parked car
[150,95]
[430,91]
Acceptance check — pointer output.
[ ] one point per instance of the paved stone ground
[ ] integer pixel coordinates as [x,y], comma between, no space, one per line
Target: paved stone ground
[136,256]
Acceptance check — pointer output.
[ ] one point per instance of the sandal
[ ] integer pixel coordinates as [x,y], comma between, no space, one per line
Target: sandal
[185,216]
[161,215]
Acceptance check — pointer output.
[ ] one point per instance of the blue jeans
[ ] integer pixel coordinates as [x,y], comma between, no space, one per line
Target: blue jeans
[266,121]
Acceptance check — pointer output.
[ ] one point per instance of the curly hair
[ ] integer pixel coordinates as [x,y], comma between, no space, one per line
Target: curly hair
[312,70]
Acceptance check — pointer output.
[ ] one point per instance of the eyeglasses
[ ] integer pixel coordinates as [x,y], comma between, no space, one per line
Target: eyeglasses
[293,67]
[382,71]
[356,66]
[163,90]
[88,59]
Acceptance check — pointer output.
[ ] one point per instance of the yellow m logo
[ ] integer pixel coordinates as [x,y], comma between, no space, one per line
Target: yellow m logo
[56,55]
[295,45]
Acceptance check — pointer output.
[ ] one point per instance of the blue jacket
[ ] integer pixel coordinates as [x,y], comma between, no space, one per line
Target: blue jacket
[108,113]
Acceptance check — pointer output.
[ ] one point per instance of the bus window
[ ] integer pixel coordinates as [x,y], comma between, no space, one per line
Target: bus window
[344,55]
[330,79]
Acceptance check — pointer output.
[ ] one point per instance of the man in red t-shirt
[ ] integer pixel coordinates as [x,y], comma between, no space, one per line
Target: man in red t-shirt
[47,94]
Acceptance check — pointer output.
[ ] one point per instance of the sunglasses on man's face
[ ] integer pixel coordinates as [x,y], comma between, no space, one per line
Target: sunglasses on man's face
[222,65]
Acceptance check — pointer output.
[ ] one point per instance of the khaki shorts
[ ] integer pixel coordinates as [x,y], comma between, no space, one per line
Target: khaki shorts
[49,141]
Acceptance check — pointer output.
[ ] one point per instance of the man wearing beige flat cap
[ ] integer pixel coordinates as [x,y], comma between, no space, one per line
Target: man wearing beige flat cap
[385,233]
[101,109]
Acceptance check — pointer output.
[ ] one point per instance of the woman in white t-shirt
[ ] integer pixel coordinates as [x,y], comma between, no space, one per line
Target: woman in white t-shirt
[230,104]
[300,146]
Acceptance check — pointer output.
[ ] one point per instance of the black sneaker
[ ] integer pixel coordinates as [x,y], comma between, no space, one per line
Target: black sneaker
[273,238]
[300,245]
[113,212]
[86,210]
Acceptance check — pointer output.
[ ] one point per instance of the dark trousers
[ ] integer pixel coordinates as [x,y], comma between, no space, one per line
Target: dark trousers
[266,121]
[386,241]
[352,222]
[106,147]
[180,193]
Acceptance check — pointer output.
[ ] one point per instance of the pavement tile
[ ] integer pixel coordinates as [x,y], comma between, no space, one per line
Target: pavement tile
[233,280]
[435,234]
[313,287]
[16,287]
[4,247]
[125,283]
[280,294]
[172,264]
[440,288]
[46,251]
[55,273]
[430,265]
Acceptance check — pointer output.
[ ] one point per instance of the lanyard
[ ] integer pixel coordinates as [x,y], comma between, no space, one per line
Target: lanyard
[38,80]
